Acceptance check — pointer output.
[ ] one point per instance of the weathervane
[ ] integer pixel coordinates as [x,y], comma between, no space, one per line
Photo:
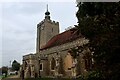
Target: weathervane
[47,7]
[47,13]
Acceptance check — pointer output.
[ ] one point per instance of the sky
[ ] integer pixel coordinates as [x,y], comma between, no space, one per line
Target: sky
[18,24]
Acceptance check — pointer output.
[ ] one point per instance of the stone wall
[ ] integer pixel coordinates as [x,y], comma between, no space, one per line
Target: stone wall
[59,54]
[29,62]
[61,51]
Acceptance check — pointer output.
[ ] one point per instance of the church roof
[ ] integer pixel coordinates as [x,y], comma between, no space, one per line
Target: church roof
[62,38]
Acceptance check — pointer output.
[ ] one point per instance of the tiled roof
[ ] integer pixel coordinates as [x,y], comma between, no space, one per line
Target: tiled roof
[62,38]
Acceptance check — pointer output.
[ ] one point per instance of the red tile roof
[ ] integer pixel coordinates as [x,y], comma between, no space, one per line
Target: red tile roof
[62,38]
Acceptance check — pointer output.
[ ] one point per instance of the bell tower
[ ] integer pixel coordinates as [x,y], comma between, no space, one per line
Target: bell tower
[46,29]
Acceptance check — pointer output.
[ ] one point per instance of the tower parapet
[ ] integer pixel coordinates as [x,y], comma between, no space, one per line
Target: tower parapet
[50,21]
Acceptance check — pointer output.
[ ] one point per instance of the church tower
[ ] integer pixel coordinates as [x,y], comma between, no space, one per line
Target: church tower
[46,29]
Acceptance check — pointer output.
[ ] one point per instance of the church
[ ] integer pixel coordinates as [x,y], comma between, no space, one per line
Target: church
[57,54]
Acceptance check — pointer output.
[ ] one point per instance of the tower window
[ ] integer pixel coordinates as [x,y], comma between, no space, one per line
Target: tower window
[52,29]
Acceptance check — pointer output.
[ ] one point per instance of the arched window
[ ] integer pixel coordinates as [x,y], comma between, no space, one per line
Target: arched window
[41,66]
[53,64]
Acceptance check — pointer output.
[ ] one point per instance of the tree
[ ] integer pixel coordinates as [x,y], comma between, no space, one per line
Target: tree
[15,65]
[100,23]
[5,70]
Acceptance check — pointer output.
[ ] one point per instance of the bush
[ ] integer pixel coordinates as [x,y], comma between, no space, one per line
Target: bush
[92,75]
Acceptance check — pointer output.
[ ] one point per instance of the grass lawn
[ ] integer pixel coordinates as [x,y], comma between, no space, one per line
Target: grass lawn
[3,76]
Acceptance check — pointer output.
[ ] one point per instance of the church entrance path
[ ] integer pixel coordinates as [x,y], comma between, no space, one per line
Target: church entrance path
[12,78]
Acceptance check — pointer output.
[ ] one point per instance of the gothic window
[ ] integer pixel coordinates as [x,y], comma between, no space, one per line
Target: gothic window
[53,64]
[41,66]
